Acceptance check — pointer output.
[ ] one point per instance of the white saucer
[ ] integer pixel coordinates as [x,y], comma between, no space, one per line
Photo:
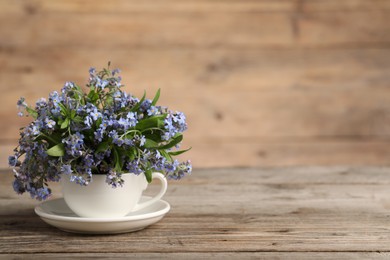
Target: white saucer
[57,213]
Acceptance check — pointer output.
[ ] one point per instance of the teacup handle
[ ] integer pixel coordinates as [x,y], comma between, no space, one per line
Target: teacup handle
[164,186]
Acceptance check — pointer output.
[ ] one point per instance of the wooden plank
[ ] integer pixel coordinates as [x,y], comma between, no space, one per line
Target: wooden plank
[346,5]
[316,209]
[231,255]
[237,94]
[226,153]
[197,29]
[154,30]
[344,28]
[133,6]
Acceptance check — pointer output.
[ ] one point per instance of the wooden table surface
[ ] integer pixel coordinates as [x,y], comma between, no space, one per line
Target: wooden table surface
[299,213]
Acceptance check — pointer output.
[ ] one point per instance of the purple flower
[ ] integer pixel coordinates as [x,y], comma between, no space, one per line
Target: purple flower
[50,123]
[101,83]
[92,71]
[21,103]
[134,167]
[66,169]
[99,134]
[12,160]
[41,103]
[74,144]
[79,180]
[67,87]
[114,179]
[88,161]
[18,186]
[116,71]
[152,111]
[95,114]
[145,105]
[88,121]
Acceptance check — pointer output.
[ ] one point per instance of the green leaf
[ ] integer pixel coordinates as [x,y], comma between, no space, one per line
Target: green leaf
[148,175]
[118,160]
[153,135]
[56,151]
[93,96]
[150,143]
[53,139]
[136,107]
[64,110]
[99,121]
[109,101]
[174,141]
[78,119]
[156,97]
[32,112]
[179,152]
[65,124]
[72,114]
[151,122]
[102,147]
[166,155]
[131,153]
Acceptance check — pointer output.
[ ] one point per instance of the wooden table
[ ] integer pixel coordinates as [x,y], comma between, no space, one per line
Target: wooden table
[301,213]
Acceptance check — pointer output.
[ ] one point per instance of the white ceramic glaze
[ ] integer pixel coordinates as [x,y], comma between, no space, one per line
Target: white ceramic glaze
[58,214]
[100,200]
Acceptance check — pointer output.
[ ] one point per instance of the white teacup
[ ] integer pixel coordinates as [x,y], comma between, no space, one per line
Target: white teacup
[99,200]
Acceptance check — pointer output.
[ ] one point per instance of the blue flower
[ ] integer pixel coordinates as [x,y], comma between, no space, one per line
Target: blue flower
[88,161]
[18,186]
[12,160]
[113,134]
[134,167]
[132,117]
[41,103]
[78,179]
[92,71]
[142,140]
[66,169]
[99,134]
[35,130]
[124,123]
[114,179]
[74,144]
[116,71]
[95,114]
[21,103]
[67,87]
[152,111]
[145,105]
[88,121]
[118,141]
[50,123]
[101,83]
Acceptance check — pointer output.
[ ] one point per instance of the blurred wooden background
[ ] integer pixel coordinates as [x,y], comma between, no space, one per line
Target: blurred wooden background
[262,83]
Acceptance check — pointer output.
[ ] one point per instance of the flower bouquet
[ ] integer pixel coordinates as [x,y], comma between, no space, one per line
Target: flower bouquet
[96,131]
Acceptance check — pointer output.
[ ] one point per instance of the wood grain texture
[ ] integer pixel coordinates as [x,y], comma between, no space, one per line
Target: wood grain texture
[311,211]
[197,29]
[213,255]
[261,82]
